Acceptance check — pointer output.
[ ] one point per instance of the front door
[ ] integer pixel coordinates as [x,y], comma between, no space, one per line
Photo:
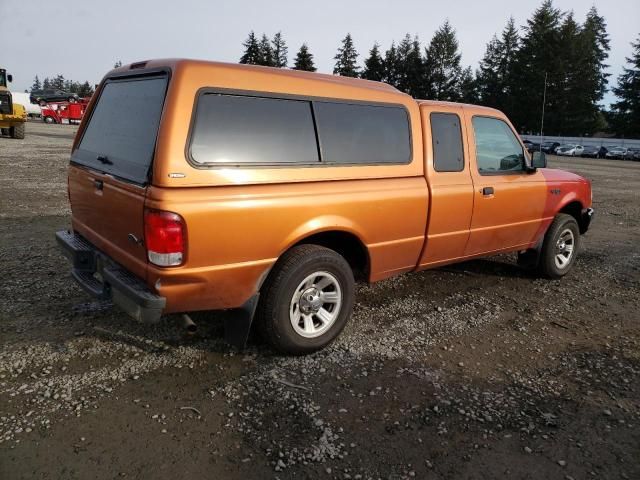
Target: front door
[508,201]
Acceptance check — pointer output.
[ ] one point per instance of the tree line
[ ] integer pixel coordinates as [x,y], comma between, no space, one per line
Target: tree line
[82,89]
[553,56]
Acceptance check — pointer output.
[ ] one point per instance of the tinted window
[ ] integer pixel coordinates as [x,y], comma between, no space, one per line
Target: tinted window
[123,127]
[497,148]
[362,133]
[447,142]
[231,129]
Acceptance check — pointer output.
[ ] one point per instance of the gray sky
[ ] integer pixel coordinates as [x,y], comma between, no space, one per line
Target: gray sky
[81,39]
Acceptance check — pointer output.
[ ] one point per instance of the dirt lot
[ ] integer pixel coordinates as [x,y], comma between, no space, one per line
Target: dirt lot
[475,371]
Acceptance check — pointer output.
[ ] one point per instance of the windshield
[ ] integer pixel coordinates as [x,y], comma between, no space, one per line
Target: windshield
[121,134]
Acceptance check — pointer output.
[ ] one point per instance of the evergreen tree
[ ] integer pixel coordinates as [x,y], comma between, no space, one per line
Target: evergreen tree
[280,51]
[594,50]
[373,65]
[443,64]
[627,109]
[490,83]
[251,53]
[266,57]
[85,90]
[391,66]
[468,87]
[46,83]
[36,84]
[304,60]
[573,103]
[417,81]
[346,59]
[58,82]
[539,55]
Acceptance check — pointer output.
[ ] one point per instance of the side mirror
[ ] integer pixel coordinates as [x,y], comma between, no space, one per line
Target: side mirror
[10,78]
[538,160]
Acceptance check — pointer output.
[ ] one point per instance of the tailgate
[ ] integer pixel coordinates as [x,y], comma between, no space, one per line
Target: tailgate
[110,214]
[111,165]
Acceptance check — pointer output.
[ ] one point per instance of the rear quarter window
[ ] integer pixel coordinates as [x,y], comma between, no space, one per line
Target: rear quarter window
[363,134]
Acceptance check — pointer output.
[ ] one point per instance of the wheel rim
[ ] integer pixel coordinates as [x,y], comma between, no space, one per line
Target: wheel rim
[315,304]
[564,248]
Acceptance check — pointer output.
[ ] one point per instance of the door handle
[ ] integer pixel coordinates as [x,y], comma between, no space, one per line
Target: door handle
[486,191]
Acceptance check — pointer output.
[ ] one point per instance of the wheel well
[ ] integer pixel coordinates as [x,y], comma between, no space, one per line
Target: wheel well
[575,210]
[347,245]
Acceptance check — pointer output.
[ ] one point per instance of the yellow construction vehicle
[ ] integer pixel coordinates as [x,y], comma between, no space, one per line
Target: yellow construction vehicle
[13,116]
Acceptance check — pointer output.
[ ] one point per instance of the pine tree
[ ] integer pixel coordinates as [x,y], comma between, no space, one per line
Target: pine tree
[594,46]
[251,53]
[539,54]
[280,51]
[443,64]
[468,87]
[490,83]
[573,102]
[373,65]
[304,59]
[391,66]
[58,82]
[346,59]
[36,84]
[85,90]
[627,109]
[266,57]
[417,81]
[46,83]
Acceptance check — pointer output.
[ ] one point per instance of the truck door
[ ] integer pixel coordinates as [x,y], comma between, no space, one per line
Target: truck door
[508,201]
[450,184]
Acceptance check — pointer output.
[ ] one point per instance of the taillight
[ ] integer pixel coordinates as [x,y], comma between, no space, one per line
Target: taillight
[165,238]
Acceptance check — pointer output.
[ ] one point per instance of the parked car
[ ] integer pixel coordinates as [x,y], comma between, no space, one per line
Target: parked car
[42,97]
[549,147]
[571,150]
[616,152]
[210,186]
[632,154]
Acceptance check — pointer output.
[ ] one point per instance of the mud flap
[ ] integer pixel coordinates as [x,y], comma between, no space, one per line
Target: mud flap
[237,322]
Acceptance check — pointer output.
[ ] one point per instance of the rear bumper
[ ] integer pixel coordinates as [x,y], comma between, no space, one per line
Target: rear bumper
[104,279]
[587,216]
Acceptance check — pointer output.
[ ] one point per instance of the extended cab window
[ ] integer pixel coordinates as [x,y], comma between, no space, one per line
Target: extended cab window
[446,137]
[235,129]
[121,134]
[497,148]
[367,134]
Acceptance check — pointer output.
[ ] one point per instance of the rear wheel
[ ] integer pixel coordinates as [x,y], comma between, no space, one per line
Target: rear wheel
[306,301]
[48,119]
[5,131]
[560,246]
[17,131]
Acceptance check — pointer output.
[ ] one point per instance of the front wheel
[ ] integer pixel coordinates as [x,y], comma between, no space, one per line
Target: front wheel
[17,131]
[560,246]
[306,301]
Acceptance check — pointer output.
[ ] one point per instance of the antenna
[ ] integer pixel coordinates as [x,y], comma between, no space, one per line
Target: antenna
[544,100]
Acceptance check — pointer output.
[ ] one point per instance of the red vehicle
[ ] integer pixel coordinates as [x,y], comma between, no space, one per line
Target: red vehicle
[64,112]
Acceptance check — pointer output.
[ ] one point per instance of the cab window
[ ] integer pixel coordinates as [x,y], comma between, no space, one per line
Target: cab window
[498,150]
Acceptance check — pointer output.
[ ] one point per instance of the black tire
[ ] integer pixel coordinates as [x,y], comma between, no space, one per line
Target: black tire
[42,102]
[273,315]
[72,99]
[5,131]
[548,265]
[48,119]
[17,131]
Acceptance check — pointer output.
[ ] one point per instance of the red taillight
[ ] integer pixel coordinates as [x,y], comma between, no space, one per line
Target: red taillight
[165,238]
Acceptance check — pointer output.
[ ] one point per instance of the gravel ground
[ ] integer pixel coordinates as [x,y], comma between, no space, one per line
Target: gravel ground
[478,370]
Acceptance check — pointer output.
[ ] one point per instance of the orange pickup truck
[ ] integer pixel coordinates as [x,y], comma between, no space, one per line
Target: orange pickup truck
[267,192]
